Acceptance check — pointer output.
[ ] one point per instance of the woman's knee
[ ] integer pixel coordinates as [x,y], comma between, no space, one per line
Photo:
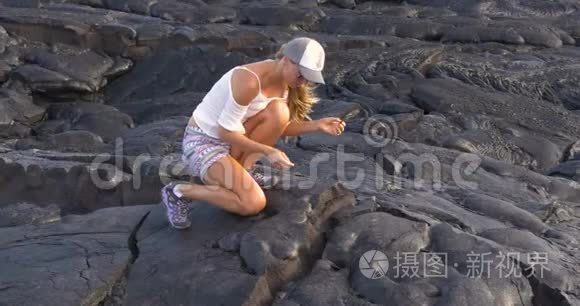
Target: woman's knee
[277,113]
[253,203]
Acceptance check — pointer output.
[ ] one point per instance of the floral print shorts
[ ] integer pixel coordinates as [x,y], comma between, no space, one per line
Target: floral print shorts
[200,151]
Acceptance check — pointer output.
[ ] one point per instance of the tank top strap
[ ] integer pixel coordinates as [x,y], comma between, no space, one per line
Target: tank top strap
[256,75]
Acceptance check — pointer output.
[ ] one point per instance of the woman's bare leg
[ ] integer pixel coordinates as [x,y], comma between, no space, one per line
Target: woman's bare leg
[229,187]
[265,127]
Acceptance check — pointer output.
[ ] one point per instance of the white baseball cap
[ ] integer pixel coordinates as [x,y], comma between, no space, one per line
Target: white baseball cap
[308,54]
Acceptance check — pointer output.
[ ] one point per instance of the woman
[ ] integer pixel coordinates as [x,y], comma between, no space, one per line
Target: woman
[239,121]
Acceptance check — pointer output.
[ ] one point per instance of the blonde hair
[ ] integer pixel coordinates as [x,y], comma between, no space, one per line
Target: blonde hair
[300,99]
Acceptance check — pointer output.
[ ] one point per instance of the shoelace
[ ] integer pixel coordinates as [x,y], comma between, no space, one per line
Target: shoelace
[180,215]
[258,176]
[182,209]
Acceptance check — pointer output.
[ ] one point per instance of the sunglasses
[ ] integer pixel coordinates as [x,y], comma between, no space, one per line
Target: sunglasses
[300,76]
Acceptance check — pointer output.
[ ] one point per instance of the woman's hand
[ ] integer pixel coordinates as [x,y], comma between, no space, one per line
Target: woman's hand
[331,125]
[278,159]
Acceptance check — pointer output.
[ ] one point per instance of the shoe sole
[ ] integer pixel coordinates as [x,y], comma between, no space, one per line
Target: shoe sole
[276,180]
[164,200]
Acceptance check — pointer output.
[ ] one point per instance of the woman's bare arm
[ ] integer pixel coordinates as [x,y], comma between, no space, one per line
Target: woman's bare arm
[239,139]
[244,90]
[301,127]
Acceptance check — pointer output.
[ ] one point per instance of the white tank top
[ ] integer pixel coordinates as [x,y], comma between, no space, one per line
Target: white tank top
[206,114]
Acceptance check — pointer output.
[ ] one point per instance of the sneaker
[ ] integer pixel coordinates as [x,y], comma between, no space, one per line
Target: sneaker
[264,180]
[177,209]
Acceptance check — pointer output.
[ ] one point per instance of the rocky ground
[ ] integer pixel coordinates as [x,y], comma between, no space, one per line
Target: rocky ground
[463,158]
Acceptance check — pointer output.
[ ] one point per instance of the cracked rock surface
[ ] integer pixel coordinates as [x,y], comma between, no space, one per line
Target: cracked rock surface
[75,261]
[462,155]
